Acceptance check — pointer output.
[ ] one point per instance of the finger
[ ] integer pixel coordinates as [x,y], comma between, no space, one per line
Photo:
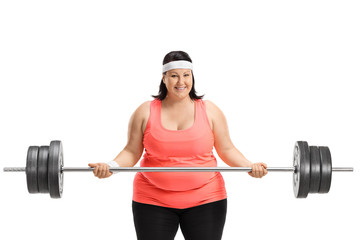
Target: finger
[92,165]
[265,171]
[102,171]
[262,171]
[96,170]
[263,165]
[106,173]
[257,171]
[253,169]
[262,168]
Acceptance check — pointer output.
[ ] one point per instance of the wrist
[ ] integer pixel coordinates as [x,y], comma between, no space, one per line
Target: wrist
[113,164]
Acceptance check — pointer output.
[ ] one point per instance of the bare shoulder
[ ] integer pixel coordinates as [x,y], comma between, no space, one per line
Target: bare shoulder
[141,115]
[144,108]
[142,112]
[212,109]
[214,114]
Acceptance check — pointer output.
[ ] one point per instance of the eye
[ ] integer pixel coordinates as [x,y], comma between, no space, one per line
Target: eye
[186,75]
[173,75]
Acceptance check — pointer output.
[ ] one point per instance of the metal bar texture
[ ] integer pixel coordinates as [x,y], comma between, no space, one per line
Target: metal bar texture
[178,169]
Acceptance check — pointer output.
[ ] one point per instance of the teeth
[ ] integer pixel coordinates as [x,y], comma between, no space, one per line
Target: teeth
[180,88]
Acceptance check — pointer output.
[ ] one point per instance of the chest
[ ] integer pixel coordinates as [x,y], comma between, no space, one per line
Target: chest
[178,119]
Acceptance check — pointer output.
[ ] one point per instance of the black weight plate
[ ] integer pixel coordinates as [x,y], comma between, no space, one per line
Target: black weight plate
[315,169]
[32,169]
[55,175]
[43,169]
[326,170]
[301,177]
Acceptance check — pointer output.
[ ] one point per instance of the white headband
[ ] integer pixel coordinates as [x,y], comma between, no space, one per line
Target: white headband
[176,65]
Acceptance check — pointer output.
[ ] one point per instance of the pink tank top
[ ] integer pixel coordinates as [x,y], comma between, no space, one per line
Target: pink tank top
[191,147]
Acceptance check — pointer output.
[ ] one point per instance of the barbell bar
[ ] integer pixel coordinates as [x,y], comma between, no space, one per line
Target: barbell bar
[177,169]
[312,169]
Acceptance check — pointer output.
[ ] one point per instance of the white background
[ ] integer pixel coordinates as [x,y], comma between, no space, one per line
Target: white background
[281,71]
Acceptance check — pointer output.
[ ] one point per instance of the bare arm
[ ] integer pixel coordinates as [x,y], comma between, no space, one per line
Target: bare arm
[133,150]
[224,146]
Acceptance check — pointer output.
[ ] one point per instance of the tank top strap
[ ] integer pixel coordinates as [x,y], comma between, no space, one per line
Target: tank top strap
[202,117]
[155,111]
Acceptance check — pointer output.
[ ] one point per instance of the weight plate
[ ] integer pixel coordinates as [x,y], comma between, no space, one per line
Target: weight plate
[326,169]
[301,176]
[43,169]
[55,175]
[315,169]
[32,169]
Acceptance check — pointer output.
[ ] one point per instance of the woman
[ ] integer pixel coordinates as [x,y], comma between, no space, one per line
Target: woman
[178,129]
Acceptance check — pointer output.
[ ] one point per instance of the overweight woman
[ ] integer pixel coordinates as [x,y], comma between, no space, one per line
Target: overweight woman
[178,129]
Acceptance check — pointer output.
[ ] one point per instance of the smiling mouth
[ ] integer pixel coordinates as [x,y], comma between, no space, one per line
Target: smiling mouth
[180,88]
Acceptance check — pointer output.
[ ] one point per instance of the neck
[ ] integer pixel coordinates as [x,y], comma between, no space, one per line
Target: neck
[168,101]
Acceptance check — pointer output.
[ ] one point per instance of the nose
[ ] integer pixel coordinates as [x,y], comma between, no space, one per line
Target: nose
[181,79]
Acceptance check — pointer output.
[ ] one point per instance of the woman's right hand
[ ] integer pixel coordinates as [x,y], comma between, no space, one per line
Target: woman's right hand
[101,170]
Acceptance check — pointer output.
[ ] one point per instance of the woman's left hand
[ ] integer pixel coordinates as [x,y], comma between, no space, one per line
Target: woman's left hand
[258,170]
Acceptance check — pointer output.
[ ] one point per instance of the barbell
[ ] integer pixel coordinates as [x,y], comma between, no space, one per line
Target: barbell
[312,169]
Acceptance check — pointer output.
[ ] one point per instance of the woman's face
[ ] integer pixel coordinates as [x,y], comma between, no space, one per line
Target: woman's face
[178,82]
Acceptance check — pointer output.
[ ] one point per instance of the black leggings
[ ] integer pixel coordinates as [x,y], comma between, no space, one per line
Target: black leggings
[161,223]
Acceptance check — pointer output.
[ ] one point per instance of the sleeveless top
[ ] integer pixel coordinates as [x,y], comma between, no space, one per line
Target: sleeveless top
[191,147]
